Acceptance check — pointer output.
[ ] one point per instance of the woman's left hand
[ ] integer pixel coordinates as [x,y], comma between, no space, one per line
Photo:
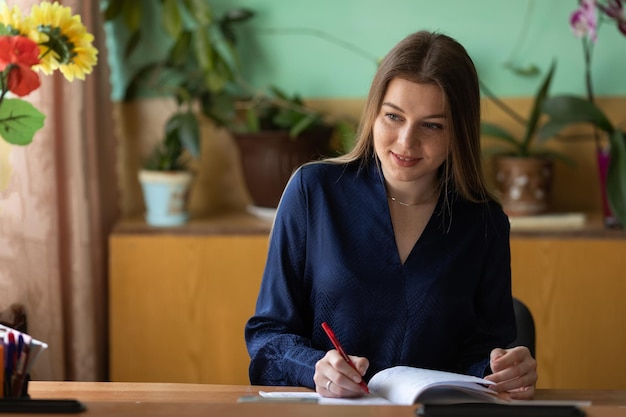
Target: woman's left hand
[514,372]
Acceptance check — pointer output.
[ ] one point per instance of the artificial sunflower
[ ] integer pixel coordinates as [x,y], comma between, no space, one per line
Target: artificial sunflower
[47,39]
[66,45]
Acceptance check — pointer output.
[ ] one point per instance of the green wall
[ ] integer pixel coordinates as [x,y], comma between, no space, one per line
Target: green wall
[279,45]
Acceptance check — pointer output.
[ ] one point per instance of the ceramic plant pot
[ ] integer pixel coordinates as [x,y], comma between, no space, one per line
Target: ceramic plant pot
[268,159]
[165,195]
[524,185]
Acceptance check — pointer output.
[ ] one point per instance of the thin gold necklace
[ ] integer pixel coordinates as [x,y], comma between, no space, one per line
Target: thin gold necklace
[402,203]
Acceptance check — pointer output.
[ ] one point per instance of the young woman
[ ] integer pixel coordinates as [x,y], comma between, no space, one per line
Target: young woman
[397,245]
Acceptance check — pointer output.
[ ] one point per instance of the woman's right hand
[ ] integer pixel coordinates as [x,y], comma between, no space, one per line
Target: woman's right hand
[334,377]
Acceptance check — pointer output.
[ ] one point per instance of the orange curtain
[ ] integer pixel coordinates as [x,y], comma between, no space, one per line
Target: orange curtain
[58,203]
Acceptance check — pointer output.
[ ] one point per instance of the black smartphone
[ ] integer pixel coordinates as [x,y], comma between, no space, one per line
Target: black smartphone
[40,405]
[498,410]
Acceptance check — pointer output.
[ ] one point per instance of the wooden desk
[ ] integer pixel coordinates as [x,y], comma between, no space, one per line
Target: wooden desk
[181,400]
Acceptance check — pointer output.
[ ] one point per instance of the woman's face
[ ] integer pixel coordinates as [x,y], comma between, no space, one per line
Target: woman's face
[411,133]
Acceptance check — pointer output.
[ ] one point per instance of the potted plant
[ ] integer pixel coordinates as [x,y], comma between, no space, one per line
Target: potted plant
[566,110]
[275,132]
[523,167]
[165,179]
[196,68]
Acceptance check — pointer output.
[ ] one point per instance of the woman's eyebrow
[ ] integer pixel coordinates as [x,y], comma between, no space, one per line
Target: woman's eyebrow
[432,116]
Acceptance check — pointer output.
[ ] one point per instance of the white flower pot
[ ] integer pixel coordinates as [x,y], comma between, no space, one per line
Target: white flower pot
[165,195]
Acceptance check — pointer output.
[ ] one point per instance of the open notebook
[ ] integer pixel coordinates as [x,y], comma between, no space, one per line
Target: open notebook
[403,385]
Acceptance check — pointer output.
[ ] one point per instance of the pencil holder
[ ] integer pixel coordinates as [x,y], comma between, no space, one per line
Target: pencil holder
[16,388]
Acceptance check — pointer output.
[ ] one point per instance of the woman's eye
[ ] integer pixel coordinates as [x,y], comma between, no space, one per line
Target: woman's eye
[392,116]
[434,126]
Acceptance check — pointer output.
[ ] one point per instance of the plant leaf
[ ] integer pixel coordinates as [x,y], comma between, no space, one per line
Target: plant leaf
[19,121]
[133,41]
[172,20]
[132,15]
[188,131]
[182,129]
[537,109]
[179,54]
[571,109]
[113,9]
[252,121]
[495,131]
[616,176]
[303,124]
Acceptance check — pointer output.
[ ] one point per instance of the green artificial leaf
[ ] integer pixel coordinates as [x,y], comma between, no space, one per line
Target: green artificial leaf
[19,121]
[616,175]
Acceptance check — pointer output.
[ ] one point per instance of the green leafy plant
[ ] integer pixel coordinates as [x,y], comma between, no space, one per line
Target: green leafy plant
[198,69]
[529,144]
[201,71]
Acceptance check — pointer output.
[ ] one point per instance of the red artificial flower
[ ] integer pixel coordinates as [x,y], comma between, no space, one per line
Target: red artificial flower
[22,80]
[17,55]
[18,50]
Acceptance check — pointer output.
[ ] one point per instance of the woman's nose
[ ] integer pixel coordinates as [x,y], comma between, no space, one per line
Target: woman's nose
[407,136]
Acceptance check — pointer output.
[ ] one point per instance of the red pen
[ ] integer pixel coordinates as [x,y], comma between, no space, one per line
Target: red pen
[333,338]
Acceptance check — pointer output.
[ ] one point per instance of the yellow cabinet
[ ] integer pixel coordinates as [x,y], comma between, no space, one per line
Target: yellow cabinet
[179,303]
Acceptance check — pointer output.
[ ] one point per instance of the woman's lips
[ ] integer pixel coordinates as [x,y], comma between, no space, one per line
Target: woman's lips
[405,161]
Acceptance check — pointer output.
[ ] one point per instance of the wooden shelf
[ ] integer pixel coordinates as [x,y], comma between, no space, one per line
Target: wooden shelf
[221,224]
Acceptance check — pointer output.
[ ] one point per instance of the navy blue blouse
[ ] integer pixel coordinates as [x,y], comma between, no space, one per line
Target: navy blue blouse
[333,257]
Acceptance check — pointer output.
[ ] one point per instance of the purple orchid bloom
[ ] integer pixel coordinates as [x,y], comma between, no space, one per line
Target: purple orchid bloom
[614,10]
[584,20]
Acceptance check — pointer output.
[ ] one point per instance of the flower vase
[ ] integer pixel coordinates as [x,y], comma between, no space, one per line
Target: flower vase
[603,157]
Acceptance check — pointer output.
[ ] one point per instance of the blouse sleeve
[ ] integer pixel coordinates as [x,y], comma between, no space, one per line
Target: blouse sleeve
[493,303]
[278,336]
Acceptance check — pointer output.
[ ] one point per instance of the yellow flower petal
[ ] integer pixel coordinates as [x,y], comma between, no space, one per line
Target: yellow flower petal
[68,45]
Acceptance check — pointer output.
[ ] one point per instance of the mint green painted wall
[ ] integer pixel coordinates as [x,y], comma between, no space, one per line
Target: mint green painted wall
[489,29]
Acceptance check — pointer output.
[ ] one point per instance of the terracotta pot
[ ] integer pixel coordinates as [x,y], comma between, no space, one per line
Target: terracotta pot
[269,158]
[524,185]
